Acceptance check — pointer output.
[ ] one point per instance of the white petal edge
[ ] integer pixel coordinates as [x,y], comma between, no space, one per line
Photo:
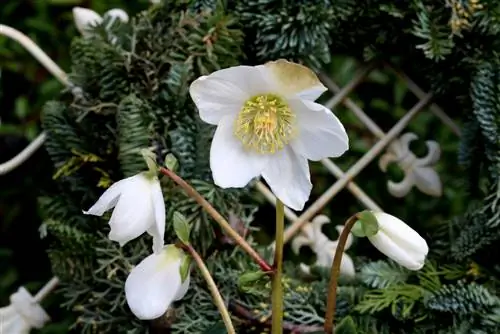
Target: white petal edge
[393,251]
[224,92]
[232,165]
[401,233]
[158,228]
[117,13]
[287,174]
[320,133]
[313,93]
[108,199]
[152,286]
[183,288]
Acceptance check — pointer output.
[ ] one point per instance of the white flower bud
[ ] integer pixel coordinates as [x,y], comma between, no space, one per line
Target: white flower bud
[399,242]
[155,283]
[84,19]
[138,207]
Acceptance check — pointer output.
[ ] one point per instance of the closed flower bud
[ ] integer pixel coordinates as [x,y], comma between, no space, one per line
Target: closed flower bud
[84,19]
[399,242]
[138,207]
[155,283]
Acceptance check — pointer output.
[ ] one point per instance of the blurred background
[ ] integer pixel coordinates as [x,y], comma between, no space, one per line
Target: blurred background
[25,86]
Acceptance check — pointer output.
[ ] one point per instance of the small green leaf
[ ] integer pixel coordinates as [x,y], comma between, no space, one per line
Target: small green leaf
[252,281]
[171,162]
[184,268]
[346,326]
[181,227]
[366,226]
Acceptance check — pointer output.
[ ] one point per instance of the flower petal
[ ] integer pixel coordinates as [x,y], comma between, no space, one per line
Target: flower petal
[153,285]
[231,164]
[295,80]
[287,174]
[183,289]
[225,91]
[401,234]
[134,213]
[109,198]
[321,134]
[117,13]
[388,247]
[158,228]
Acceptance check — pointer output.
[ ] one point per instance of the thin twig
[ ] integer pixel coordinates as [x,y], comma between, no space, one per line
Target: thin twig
[223,223]
[219,301]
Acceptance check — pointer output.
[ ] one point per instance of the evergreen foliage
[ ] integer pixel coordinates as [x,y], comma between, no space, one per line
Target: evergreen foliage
[131,92]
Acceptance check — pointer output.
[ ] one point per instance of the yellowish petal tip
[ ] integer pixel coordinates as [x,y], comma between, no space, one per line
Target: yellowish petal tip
[293,78]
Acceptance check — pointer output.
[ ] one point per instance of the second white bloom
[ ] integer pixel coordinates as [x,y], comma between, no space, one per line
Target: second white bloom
[268,124]
[155,283]
[138,207]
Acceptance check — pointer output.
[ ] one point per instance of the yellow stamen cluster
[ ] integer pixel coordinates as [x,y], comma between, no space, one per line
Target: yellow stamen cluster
[461,13]
[265,124]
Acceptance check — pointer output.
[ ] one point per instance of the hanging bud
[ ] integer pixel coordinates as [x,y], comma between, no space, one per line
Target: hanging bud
[399,242]
[85,19]
[138,207]
[156,282]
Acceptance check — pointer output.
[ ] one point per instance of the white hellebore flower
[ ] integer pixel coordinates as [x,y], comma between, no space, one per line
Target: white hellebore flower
[138,207]
[268,124]
[399,242]
[86,18]
[155,283]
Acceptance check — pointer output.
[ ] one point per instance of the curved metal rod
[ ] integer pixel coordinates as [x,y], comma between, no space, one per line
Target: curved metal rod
[53,68]
[36,52]
[24,155]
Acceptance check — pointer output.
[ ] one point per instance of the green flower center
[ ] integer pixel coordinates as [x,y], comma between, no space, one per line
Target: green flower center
[265,124]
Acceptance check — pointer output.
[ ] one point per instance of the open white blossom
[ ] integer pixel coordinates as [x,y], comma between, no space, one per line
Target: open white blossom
[399,242]
[86,18]
[155,283]
[138,207]
[268,124]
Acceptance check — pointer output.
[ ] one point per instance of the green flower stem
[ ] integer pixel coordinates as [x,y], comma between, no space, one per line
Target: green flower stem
[219,301]
[277,287]
[266,267]
[331,303]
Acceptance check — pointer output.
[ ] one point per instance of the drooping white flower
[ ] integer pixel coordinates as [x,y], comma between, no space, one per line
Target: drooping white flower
[268,124]
[155,283]
[399,242]
[138,207]
[324,248]
[86,18]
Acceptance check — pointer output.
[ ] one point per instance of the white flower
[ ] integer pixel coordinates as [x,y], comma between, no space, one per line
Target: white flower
[138,207]
[323,247]
[155,283]
[86,18]
[268,124]
[399,242]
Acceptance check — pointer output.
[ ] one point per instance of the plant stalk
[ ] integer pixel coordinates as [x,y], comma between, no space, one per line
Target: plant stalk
[219,301]
[277,287]
[224,224]
[331,303]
